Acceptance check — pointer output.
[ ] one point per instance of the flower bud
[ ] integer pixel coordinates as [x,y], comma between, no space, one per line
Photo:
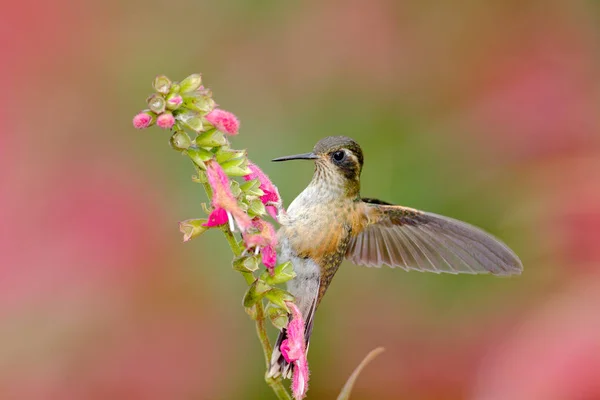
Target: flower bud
[174,101]
[157,103]
[224,121]
[192,228]
[190,83]
[180,141]
[143,120]
[162,84]
[165,120]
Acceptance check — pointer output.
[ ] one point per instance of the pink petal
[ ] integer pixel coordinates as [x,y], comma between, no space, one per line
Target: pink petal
[300,379]
[222,196]
[217,217]
[269,257]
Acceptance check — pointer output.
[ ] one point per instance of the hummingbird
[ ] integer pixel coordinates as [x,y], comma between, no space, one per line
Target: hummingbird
[329,221]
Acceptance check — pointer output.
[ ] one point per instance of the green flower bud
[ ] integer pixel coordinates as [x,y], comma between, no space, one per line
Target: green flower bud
[157,103]
[236,167]
[180,140]
[190,83]
[162,84]
[174,101]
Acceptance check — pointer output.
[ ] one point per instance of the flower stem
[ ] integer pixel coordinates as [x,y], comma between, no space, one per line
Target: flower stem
[275,383]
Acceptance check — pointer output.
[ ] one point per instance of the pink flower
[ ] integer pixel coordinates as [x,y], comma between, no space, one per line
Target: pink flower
[293,350]
[223,198]
[165,120]
[224,121]
[262,235]
[271,198]
[142,120]
[217,217]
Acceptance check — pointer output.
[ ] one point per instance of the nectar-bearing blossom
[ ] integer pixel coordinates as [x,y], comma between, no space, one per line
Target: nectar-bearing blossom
[224,121]
[271,198]
[262,235]
[293,350]
[223,199]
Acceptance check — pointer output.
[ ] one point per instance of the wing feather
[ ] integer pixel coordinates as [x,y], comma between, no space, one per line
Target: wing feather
[410,239]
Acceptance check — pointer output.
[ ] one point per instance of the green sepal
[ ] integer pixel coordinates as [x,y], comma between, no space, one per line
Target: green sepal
[279,297]
[180,140]
[281,274]
[235,188]
[190,83]
[255,292]
[191,119]
[162,84]
[236,167]
[211,138]
[198,156]
[246,263]
[192,228]
[257,208]
[278,316]
[157,103]
[225,154]
[252,188]
[201,177]
[198,101]
[251,311]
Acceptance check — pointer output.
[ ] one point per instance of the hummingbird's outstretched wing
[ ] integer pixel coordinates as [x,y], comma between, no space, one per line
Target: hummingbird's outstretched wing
[410,239]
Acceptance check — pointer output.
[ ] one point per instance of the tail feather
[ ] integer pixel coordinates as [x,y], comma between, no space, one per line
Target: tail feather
[279,366]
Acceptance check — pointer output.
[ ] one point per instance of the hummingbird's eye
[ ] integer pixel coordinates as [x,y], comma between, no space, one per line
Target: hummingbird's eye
[339,156]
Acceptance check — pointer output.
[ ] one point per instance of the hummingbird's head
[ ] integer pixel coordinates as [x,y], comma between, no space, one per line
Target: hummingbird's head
[337,158]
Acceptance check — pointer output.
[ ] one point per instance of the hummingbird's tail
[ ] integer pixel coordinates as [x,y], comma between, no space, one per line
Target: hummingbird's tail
[278,364]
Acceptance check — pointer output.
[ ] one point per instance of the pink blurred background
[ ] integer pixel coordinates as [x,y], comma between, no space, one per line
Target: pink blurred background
[484,111]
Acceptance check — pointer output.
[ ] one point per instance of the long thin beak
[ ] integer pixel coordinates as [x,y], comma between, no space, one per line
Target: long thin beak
[305,156]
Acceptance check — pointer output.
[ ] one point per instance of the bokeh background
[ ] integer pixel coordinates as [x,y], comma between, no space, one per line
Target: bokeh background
[485,111]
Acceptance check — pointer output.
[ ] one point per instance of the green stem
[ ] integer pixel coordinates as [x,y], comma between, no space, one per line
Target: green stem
[275,383]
